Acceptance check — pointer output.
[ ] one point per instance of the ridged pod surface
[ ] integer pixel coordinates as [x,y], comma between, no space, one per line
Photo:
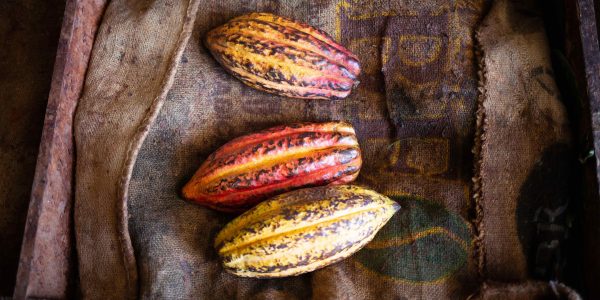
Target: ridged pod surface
[303,230]
[284,57]
[254,167]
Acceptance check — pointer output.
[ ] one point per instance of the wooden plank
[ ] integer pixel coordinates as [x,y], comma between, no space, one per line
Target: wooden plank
[29,32]
[591,59]
[46,260]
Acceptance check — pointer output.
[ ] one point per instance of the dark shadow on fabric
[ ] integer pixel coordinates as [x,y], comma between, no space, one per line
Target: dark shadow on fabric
[543,212]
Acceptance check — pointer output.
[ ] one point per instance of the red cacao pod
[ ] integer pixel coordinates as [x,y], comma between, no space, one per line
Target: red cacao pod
[254,167]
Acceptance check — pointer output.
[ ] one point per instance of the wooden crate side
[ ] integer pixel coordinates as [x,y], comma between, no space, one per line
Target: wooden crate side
[588,34]
[45,262]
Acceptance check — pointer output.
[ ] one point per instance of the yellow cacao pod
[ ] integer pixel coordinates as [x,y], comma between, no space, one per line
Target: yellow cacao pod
[303,230]
[284,57]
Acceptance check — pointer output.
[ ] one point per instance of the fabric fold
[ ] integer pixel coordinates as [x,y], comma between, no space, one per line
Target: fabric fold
[134,60]
[523,149]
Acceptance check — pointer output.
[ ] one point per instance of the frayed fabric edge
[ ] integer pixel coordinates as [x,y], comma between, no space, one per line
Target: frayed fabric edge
[477,221]
[134,147]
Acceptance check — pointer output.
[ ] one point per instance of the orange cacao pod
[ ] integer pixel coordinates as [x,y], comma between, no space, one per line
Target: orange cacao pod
[251,168]
[284,57]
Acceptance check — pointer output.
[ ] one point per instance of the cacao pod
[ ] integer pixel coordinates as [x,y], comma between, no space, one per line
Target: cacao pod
[302,230]
[284,57]
[254,167]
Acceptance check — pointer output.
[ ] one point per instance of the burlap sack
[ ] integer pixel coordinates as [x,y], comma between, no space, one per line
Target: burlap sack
[131,69]
[524,159]
[414,115]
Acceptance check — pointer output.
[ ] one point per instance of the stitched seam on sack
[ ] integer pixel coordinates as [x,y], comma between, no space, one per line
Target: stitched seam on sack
[141,132]
[477,221]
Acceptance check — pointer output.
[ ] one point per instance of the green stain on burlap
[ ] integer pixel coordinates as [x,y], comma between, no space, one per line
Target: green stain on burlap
[423,242]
